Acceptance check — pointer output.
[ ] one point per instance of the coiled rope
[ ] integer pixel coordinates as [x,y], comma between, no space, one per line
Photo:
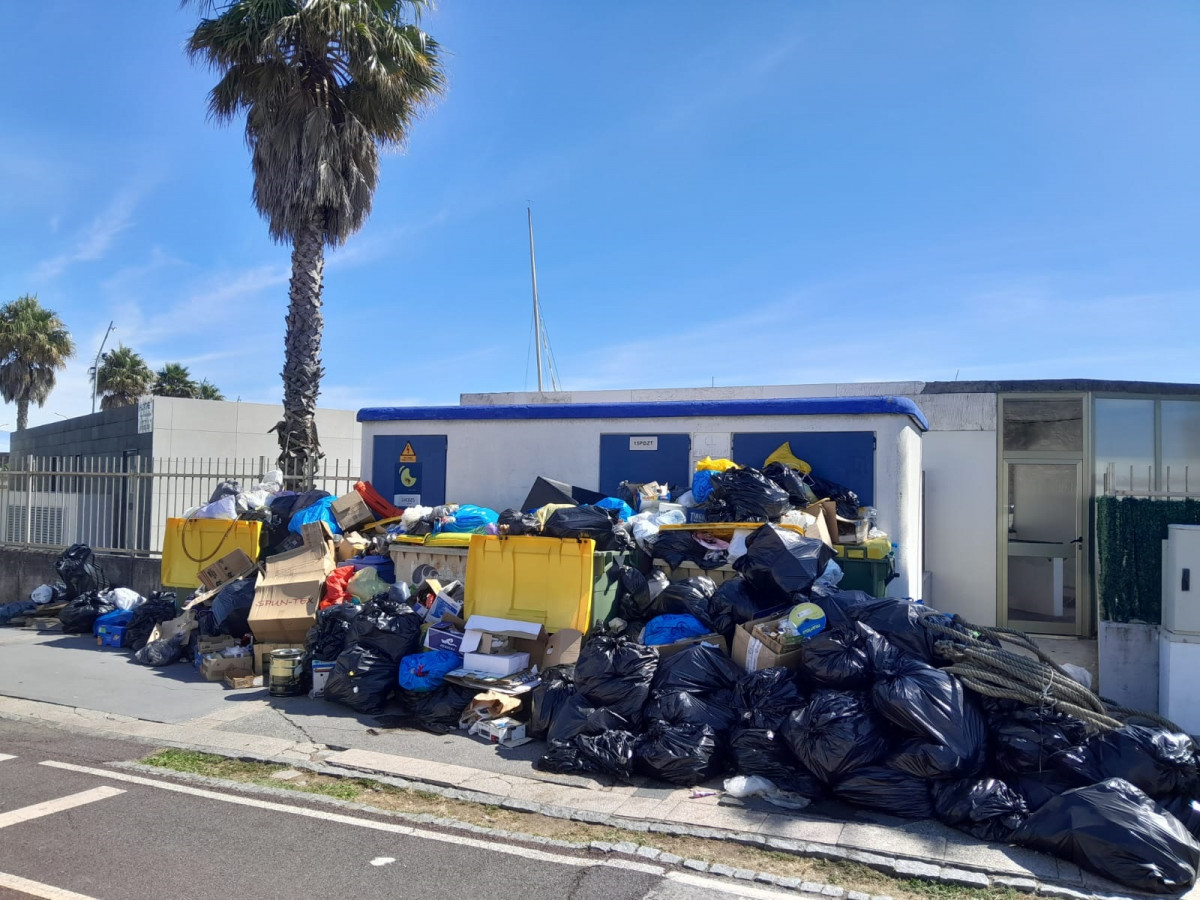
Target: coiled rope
[987,668]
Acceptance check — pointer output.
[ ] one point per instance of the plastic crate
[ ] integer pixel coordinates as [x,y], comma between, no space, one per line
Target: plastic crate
[112,636]
[450,562]
[869,575]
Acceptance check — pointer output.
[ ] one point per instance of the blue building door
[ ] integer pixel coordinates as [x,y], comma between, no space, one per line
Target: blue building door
[410,470]
[643,457]
[846,457]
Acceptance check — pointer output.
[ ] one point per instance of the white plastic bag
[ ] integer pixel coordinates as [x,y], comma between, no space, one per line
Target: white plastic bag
[225,508]
[737,545]
[414,514]
[124,598]
[42,594]
[742,786]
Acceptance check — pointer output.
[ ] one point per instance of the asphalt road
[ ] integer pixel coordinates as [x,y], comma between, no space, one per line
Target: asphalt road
[71,822]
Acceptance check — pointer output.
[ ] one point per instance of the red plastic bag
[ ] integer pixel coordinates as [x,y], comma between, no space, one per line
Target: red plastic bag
[336,587]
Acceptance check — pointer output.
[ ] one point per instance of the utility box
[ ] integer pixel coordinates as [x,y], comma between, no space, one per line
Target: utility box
[1181,579]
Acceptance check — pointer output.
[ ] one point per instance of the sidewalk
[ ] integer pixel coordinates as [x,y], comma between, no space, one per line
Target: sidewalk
[67,681]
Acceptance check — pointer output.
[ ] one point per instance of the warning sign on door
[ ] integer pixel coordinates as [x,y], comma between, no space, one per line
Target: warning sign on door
[408,455]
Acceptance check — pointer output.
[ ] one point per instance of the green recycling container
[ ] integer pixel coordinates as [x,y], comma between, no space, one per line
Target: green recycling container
[869,575]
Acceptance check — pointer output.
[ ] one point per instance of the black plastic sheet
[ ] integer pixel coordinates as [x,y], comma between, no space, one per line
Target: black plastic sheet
[763,751]
[332,632]
[363,678]
[1160,762]
[987,808]
[779,564]
[681,754]
[765,698]
[835,733]
[886,789]
[697,669]
[753,497]
[616,673]
[1116,831]
[557,686]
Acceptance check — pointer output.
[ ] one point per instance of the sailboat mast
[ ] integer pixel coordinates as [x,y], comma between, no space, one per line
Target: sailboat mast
[537,311]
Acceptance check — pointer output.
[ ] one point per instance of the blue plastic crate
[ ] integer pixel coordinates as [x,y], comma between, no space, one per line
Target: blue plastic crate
[113,636]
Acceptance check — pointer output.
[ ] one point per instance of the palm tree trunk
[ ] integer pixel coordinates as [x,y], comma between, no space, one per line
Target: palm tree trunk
[22,414]
[302,369]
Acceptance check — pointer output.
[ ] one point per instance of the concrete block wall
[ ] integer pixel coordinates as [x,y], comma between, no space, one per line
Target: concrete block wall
[23,570]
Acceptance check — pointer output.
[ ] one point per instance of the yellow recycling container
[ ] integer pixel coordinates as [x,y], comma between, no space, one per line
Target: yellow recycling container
[531,579]
[190,545]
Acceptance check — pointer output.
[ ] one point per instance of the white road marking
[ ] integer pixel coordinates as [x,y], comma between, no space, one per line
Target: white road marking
[391,827]
[6,756]
[37,889]
[25,813]
[383,860]
[729,886]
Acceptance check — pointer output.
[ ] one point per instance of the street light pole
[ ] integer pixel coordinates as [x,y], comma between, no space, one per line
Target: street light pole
[96,367]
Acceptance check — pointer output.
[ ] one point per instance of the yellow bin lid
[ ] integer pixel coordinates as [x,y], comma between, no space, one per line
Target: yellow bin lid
[531,579]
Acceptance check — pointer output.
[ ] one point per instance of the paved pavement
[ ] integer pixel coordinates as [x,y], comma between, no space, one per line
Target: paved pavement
[72,822]
[175,708]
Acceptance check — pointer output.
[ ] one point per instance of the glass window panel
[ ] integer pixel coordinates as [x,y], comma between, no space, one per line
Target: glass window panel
[1041,589]
[1181,445]
[1043,424]
[1124,439]
[1042,505]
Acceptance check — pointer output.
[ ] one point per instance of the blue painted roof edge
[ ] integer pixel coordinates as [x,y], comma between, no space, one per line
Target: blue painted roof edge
[782,406]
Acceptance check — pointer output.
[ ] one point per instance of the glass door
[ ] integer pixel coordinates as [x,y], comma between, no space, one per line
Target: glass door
[1042,573]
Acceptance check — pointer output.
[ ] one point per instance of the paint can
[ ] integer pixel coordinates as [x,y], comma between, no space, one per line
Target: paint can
[287,673]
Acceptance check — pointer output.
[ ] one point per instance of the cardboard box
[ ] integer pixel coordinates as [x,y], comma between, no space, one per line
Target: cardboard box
[209,646]
[183,624]
[350,511]
[219,668]
[241,682]
[229,567]
[349,545]
[665,650]
[444,637]
[496,663]
[287,593]
[562,648]
[505,731]
[523,637]
[753,650]
[448,602]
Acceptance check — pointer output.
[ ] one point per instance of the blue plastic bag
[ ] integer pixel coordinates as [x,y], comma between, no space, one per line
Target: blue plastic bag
[670,628]
[321,511]
[469,520]
[702,484]
[426,671]
[624,510]
[116,617]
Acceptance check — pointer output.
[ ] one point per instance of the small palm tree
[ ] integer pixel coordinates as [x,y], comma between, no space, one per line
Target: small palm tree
[321,83]
[173,380]
[206,390]
[123,378]
[34,344]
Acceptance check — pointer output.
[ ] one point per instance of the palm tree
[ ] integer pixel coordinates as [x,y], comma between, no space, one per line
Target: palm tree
[34,343]
[123,378]
[173,380]
[206,390]
[322,83]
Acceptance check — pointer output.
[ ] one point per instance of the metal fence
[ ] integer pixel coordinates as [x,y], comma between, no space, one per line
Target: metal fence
[122,503]
[1138,481]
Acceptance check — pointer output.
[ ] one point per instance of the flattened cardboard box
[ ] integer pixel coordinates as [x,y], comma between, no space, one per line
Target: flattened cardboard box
[287,593]
[350,511]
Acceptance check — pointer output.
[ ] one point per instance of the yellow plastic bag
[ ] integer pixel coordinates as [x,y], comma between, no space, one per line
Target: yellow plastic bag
[544,512]
[708,464]
[783,454]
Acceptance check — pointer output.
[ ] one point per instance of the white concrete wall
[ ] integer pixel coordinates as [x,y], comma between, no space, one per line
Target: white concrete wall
[494,462]
[662,395]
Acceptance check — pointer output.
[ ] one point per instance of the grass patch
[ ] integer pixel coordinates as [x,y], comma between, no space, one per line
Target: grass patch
[849,875]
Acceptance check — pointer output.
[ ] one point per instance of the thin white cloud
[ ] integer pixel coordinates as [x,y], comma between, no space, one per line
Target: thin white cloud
[94,241]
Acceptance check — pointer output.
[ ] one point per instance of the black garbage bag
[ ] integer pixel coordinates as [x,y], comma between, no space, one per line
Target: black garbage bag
[681,754]
[1025,739]
[80,572]
[331,633]
[712,510]
[363,678]
[159,653]
[763,751]
[1039,788]
[439,710]
[788,480]
[765,698]
[753,497]
[675,547]
[231,607]
[389,627]
[575,716]
[80,614]
[145,616]
[897,620]
[779,563]
[734,603]
[836,658]
[616,673]
[1187,811]
[690,596]
[714,709]
[886,789]
[846,499]
[593,522]
[932,706]
[557,686]
[610,753]
[1116,831]
[835,733]
[514,522]
[1160,762]
[987,809]
[637,594]
[697,670]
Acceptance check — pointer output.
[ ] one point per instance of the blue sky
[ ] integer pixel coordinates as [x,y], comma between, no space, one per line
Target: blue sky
[768,192]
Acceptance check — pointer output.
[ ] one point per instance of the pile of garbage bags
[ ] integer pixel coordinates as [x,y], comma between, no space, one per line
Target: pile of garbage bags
[868,718]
